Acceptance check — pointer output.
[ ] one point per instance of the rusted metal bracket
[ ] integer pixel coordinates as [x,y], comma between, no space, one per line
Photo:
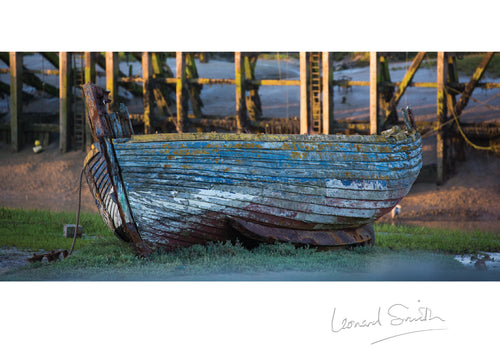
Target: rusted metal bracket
[255,234]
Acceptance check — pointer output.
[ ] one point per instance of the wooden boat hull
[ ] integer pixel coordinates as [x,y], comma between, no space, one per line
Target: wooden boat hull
[172,190]
[182,189]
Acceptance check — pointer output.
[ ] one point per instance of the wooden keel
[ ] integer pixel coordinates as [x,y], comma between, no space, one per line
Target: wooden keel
[254,234]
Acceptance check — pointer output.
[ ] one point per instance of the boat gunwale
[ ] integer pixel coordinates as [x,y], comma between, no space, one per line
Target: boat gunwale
[409,136]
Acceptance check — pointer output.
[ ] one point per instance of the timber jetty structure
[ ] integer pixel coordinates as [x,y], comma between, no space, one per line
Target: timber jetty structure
[171,101]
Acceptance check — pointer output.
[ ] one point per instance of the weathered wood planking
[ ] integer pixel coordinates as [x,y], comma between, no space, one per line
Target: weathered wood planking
[187,185]
[170,190]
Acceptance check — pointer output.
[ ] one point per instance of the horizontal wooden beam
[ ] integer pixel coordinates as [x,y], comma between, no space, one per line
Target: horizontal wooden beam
[207,81]
[274,82]
[45,72]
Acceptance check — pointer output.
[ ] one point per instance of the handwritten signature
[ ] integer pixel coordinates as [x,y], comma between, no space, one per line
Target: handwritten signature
[395,315]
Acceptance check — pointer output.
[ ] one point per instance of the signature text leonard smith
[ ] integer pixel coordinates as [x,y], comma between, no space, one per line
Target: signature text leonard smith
[418,319]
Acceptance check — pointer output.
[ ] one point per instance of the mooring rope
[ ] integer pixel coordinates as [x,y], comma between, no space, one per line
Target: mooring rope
[454,118]
[77,213]
[466,139]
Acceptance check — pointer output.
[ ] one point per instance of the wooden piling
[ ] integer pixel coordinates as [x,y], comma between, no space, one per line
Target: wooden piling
[161,90]
[147,72]
[304,99]
[327,127]
[455,139]
[374,93]
[239,77]
[65,119]
[441,118]
[16,103]
[89,76]
[387,118]
[253,103]
[180,74]
[112,80]
[194,90]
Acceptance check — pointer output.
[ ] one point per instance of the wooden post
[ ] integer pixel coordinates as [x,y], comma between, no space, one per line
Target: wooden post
[147,71]
[387,118]
[89,76]
[239,76]
[327,93]
[441,118]
[161,90]
[194,90]
[374,94]
[16,103]
[304,98]
[454,138]
[112,80]
[65,125]
[253,103]
[180,73]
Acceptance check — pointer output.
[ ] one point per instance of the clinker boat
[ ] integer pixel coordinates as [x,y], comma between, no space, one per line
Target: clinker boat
[179,189]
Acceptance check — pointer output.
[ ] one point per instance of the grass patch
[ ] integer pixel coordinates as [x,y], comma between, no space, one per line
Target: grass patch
[468,64]
[106,258]
[43,230]
[436,240]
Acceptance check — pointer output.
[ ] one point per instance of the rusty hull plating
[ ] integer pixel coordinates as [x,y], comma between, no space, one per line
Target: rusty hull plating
[180,189]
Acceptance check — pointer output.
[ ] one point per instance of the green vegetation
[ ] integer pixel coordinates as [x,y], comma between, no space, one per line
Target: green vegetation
[436,240]
[43,230]
[468,64]
[103,257]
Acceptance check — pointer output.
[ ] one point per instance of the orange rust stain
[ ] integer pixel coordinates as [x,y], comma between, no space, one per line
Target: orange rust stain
[298,155]
[247,145]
